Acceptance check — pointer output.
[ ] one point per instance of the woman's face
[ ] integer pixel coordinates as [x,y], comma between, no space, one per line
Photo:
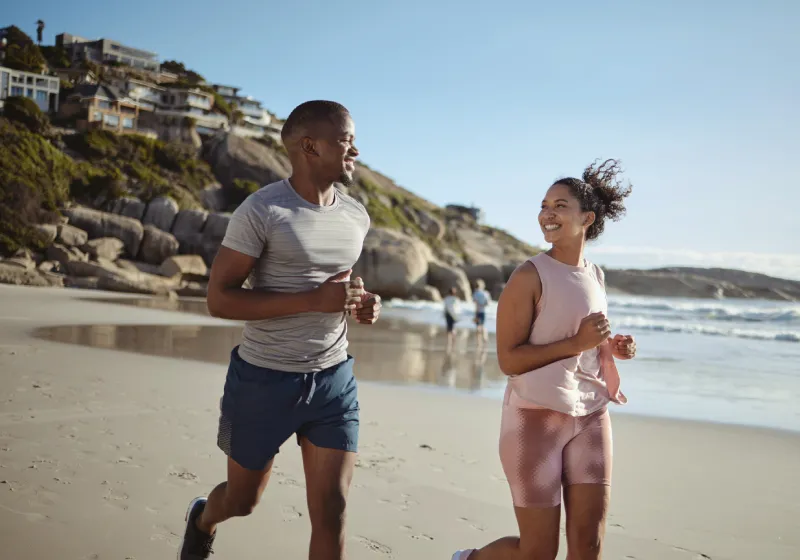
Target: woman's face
[561,218]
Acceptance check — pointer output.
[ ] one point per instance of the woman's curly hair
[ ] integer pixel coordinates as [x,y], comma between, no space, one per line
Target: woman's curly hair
[600,191]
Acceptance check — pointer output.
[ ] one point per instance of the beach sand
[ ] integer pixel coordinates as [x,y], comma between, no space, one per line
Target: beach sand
[101,450]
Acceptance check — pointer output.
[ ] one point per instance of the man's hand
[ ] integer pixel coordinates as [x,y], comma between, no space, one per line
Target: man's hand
[368,311]
[337,294]
[623,347]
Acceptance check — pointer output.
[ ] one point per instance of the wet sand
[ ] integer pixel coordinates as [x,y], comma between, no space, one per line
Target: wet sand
[392,351]
[101,450]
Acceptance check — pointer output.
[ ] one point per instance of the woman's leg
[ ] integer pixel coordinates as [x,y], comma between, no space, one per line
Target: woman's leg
[538,540]
[587,473]
[586,506]
[531,447]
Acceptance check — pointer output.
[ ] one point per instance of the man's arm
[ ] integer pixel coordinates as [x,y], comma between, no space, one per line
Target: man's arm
[228,300]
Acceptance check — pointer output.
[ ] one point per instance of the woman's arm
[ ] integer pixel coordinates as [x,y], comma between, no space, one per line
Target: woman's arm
[515,316]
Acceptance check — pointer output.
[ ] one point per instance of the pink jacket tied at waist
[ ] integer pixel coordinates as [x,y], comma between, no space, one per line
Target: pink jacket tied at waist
[611,373]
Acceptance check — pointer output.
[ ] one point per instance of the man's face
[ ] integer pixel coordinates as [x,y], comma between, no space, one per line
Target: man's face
[337,151]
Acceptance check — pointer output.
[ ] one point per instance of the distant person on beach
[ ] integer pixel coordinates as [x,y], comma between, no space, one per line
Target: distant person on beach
[452,308]
[297,240]
[554,342]
[482,299]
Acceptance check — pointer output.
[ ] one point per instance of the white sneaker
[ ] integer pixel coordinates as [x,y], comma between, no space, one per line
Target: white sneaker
[462,554]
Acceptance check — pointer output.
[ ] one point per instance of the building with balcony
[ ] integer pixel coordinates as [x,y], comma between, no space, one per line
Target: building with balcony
[146,94]
[41,88]
[107,51]
[100,106]
[256,121]
[194,104]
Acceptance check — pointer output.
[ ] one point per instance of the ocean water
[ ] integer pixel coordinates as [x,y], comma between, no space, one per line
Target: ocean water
[728,361]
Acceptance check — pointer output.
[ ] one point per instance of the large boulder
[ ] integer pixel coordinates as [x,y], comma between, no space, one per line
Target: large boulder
[11,274]
[157,246]
[189,222]
[23,259]
[188,228]
[131,207]
[63,254]
[104,224]
[430,224]
[109,276]
[426,293]
[184,265]
[206,244]
[49,232]
[213,198]
[234,157]
[392,263]
[161,213]
[109,248]
[71,236]
[444,277]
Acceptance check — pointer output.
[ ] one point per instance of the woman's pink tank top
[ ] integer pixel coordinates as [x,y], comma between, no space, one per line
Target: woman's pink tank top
[582,384]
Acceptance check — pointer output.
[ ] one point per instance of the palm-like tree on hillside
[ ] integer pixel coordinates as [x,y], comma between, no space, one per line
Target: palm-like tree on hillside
[39,30]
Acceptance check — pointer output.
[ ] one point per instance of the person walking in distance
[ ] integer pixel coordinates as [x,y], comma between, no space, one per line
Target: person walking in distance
[452,308]
[482,299]
[554,343]
[296,240]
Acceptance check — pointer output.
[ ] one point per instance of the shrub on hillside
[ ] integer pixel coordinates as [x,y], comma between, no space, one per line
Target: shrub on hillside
[35,179]
[21,52]
[155,168]
[27,113]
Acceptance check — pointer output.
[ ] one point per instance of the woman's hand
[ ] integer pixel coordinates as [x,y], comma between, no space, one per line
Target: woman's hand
[623,347]
[593,331]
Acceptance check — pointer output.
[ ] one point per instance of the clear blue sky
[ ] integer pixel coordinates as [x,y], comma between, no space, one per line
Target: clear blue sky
[489,102]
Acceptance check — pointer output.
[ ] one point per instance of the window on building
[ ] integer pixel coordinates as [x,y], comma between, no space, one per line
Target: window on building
[96,116]
[29,93]
[127,123]
[17,91]
[29,80]
[41,97]
[103,104]
[41,82]
[53,84]
[111,120]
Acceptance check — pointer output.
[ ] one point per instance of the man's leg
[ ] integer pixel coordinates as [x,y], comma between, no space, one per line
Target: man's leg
[237,497]
[328,476]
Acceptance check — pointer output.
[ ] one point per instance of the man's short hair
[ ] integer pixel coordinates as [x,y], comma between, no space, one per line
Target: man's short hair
[309,113]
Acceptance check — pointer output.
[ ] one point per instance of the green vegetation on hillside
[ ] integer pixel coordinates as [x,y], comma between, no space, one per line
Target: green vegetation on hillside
[22,53]
[35,178]
[154,168]
[27,113]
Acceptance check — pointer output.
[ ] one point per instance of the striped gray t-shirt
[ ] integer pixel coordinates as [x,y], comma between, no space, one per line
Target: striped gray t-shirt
[298,245]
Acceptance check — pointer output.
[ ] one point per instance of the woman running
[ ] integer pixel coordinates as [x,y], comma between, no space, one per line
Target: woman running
[553,343]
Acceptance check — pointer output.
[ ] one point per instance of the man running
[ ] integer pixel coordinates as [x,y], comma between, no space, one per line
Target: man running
[297,241]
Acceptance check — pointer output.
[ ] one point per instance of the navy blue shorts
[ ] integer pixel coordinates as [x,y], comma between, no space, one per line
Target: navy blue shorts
[262,408]
[480,317]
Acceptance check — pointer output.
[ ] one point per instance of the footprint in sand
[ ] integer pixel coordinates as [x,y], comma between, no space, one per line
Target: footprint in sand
[697,555]
[184,474]
[414,535]
[164,533]
[117,499]
[374,546]
[290,513]
[472,525]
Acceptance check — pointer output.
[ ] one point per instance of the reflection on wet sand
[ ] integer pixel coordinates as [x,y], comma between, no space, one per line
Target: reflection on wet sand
[392,350]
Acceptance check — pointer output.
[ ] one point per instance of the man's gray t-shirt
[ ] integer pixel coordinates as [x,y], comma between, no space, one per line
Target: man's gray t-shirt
[299,245]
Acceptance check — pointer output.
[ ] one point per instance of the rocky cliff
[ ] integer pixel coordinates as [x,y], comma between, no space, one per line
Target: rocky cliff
[128,213]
